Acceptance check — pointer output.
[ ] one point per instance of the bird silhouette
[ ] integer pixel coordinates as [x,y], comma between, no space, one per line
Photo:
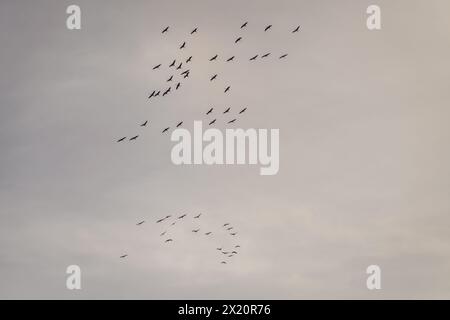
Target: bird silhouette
[121,139]
[134,138]
[220,249]
[208,233]
[166,129]
[179,66]
[167,217]
[237,40]
[156,67]
[178,85]
[179,124]
[189,59]
[265,55]
[162,234]
[186,75]
[244,25]
[296,29]
[183,45]
[253,58]
[227,89]
[233,252]
[233,234]
[197,216]
[194,31]
[230,256]
[124,256]
[226,224]
[196,230]
[165,30]
[186,71]
[167,91]
[226,111]
[214,58]
[283,56]
[170,79]
[268,27]
[140,223]
[213,77]
[212,122]
[160,220]
[153,93]
[230,59]
[144,124]
[228,229]
[157,94]
[169,240]
[231,121]
[237,246]
[223,262]
[209,111]
[243,110]
[173,63]
[182,216]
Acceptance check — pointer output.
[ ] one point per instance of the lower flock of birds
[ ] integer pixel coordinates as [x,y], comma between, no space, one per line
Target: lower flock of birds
[180,71]
[169,221]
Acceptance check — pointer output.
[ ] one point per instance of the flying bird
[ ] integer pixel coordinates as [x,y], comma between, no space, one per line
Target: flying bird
[194,31]
[165,30]
[179,66]
[208,233]
[168,240]
[227,89]
[253,58]
[183,45]
[167,217]
[124,256]
[189,59]
[166,129]
[214,58]
[230,59]
[156,67]
[209,111]
[134,138]
[157,94]
[186,75]
[170,79]
[230,256]
[220,249]
[244,25]
[196,230]
[232,121]
[182,216]
[243,110]
[162,234]
[228,229]
[197,216]
[185,71]
[226,224]
[283,56]
[179,124]
[212,122]
[237,40]
[296,29]
[223,262]
[233,234]
[266,55]
[226,111]
[213,77]
[268,27]
[144,124]
[139,223]
[160,220]
[173,63]
[178,85]
[153,93]
[121,139]
[233,252]
[166,92]
[237,246]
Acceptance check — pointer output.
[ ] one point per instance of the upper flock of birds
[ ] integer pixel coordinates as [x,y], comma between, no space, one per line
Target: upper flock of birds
[181,71]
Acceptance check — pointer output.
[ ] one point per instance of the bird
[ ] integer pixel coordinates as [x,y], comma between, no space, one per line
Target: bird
[168,240]
[166,92]
[213,77]
[230,256]
[268,27]
[178,85]
[194,31]
[189,59]
[173,223]
[160,220]
[134,138]
[226,224]
[197,216]
[170,79]
[209,111]
[165,30]
[266,55]
[144,124]
[179,66]
[157,94]
[237,246]
[296,29]
[233,252]
[162,234]
[253,58]
[244,25]
[283,56]
[173,63]
[227,89]
[196,230]
[220,249]
[185,71]
[121,139]
[225,252]
[156,67]
[186,75]
[139,223]
[153,93]
[212,122]
[230,59]
[233,234]
[167,217]
[243,110]
[182,216]
[226,111]
[183,45]
[231,121]
[214,58]
[166,129]
[208,233]
[223,262]
[179,124]
[124,256]
[237,40]
[228,229]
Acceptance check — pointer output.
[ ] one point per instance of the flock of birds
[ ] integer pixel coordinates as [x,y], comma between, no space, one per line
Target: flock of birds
[170,221]
[181,72]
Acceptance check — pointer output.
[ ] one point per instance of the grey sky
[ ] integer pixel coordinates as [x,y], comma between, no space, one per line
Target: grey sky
[364,175]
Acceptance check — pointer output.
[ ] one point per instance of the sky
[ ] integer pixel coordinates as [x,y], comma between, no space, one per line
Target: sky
[363,121]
